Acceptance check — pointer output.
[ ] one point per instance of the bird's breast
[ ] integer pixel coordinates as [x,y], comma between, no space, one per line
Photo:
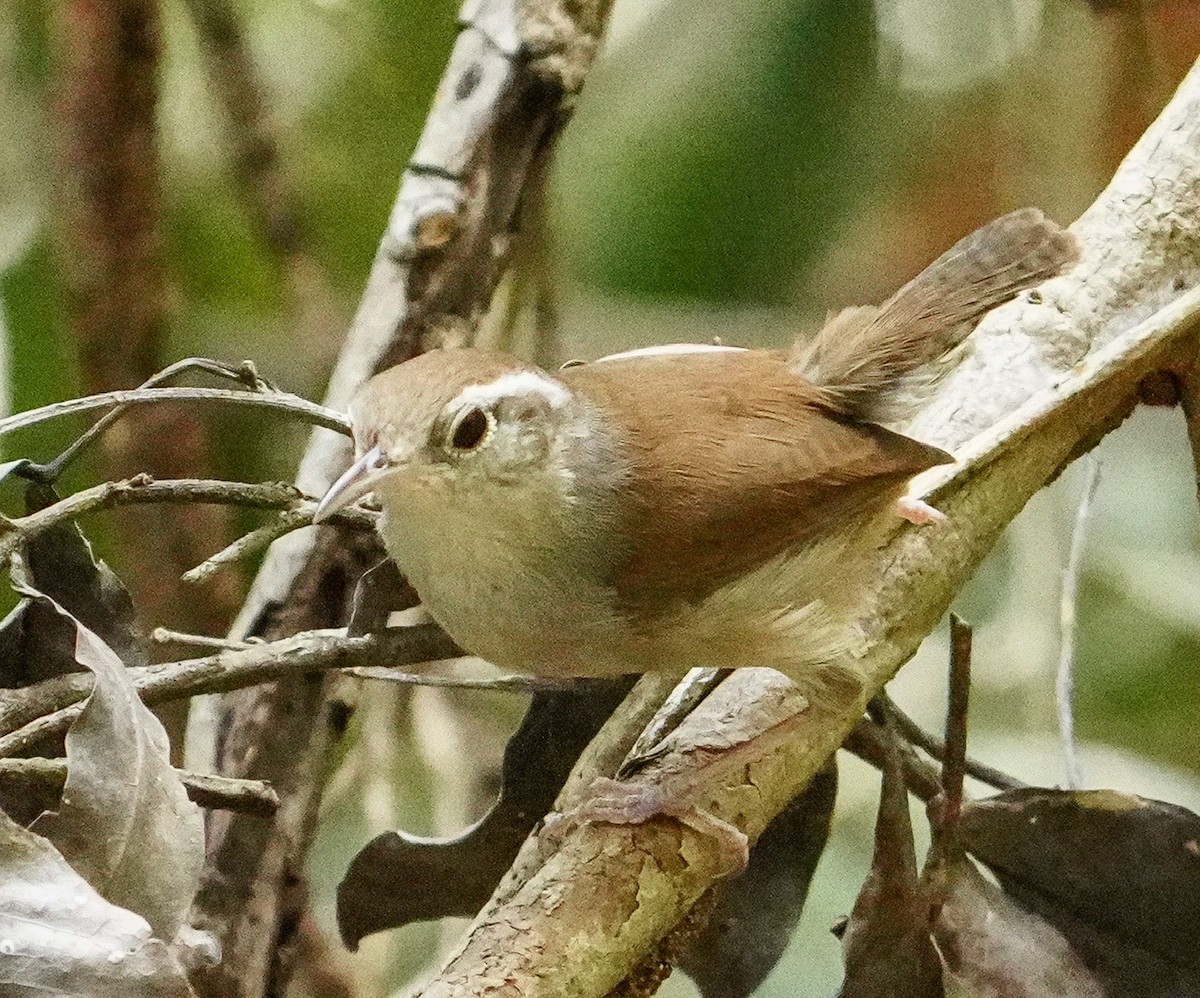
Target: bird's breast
[509,585]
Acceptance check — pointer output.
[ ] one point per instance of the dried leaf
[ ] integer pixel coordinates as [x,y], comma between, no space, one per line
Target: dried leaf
[1118,875]
[379,591]
[35,641]
[59,937]
[755,914]
[887,946]
[62,565]
[991,947]
[125,822]
[396,878]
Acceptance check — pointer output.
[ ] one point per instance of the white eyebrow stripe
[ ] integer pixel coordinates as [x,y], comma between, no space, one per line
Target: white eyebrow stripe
[668,349]
[516,384]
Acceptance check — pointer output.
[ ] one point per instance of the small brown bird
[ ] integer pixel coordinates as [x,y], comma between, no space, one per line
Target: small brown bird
[676,506]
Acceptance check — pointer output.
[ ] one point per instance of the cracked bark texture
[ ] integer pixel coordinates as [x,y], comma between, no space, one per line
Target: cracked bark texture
[513,71]
[1046,377]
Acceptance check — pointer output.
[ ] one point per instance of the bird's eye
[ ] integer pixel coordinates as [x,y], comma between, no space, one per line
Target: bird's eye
[471,430]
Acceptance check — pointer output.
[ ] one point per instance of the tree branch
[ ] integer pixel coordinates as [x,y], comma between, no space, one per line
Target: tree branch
[144,489]
[46,777]
[282,402]
[1049,375]
[32,713]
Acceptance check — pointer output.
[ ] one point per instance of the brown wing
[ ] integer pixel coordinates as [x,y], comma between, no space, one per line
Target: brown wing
[734,459]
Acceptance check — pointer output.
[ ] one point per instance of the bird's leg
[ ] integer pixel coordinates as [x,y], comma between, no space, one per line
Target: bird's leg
[678,795]
[616,802]
[917,511]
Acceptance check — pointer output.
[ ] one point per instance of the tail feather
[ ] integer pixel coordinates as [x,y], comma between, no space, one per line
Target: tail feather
[862,352]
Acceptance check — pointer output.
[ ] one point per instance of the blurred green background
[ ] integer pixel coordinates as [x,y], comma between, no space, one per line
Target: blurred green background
[733,169]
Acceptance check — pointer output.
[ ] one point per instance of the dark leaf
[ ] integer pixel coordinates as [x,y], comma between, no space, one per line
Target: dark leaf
[59,937]
[1118,875]
[397,879]
[991,947]
[125,822]
[755,914]
[887,946]
[37,643]
[380,590]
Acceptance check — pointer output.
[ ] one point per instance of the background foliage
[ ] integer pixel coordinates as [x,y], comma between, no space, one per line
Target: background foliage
[732,170]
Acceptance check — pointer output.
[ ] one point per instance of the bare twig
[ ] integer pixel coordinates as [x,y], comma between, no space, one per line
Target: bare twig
[1189,397]
[696,685]
[227,794]
[873,742]
[954,760]
[243,373]
[35,712]
[250,544]
[47,776]
[934,746]
[166,636]
[277,401]
[501,684]
[1064,683]
[143,489]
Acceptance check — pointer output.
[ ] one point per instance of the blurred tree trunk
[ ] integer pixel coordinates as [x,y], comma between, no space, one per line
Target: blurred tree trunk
[109,204]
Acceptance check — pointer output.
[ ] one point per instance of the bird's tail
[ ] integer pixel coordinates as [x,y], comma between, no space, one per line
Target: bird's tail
[863,355]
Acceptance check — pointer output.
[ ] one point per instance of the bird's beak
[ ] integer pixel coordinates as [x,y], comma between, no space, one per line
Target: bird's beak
[359,479]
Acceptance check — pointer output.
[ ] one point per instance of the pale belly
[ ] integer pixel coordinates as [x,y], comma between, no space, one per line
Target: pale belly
[544,617]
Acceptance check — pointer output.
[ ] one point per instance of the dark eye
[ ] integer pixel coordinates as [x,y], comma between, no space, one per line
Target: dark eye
[470,430]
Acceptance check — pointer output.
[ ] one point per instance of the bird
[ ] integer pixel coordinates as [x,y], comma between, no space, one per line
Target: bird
[674,506]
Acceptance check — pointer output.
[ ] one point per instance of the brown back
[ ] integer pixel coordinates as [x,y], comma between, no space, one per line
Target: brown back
[734,459]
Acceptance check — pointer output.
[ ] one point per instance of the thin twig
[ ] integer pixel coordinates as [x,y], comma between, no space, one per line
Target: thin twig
[1189,400]
[690,692]
[166,636]
[872,742]
[248,545]
[36,712]
[283,402]
[501,684]
[936,748]
[243,373]
[144,489]
[954,760]
[47,776]
[1064,682]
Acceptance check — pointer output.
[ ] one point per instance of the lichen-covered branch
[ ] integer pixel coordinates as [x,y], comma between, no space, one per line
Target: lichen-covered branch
[1048,376]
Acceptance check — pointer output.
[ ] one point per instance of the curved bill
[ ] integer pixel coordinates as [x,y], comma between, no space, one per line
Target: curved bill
[358,480]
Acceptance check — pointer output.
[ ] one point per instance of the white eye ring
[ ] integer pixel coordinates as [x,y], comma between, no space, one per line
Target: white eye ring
[470,429]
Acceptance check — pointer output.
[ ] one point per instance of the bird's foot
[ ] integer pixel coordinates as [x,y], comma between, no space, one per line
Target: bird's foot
[617,802]
[917,511]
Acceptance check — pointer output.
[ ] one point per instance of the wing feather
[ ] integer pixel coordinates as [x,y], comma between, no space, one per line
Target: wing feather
[733,459]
